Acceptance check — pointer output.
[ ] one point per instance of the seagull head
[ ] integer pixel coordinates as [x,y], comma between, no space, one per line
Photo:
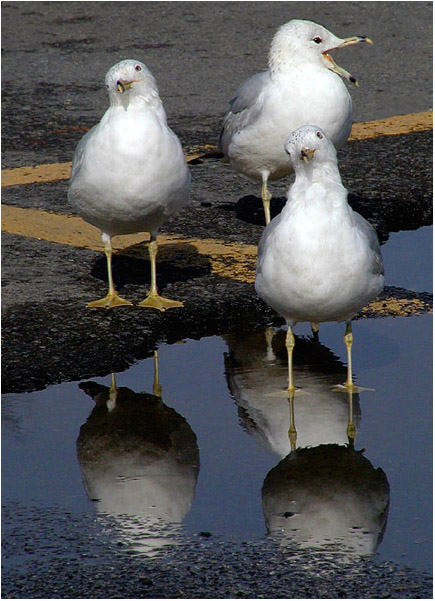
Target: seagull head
[129,79]
[309,144]
[298,42]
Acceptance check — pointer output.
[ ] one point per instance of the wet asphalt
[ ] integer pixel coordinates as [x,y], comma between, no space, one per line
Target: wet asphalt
[54,57]
[44,300]
[87,564]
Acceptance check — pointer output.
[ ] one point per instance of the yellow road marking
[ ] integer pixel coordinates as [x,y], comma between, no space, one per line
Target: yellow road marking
[392,126]
[35,175]
[52,172]
[227,259]
[236,261]
[396,306]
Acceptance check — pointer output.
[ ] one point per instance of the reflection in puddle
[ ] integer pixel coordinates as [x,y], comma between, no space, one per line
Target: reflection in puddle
[257,379]
[327,496]
[312,492]
[140,461]
[324,493]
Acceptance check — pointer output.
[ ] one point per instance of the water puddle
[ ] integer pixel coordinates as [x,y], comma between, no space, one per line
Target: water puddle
[201,441]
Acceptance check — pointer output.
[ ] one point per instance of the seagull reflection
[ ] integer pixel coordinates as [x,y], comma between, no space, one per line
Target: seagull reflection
[323,494]
[140,461]
[328,497]
[256,371]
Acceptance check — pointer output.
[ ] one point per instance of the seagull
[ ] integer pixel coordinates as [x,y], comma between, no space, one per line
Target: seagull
[129,173]
[302,85]
[318,260]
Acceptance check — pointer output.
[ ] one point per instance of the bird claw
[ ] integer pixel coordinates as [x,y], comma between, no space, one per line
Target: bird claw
[154,301]
[110,301]
[351,388]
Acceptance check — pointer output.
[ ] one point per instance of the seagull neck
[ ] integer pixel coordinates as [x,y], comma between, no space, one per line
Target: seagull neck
[278,67]
[146,100]
[314,172]
[281,64]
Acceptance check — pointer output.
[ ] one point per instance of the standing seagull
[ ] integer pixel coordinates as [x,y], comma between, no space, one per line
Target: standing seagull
[318,260]
[301,86]
[129,173]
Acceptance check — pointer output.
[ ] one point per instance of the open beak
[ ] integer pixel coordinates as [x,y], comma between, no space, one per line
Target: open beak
[123,85]
[307,154]
[356,39]
[332,65]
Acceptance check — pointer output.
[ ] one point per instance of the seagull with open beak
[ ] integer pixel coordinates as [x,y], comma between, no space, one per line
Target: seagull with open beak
[332,65]
[302,85]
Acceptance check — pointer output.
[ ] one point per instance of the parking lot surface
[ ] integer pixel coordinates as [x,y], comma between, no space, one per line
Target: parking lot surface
[55,56]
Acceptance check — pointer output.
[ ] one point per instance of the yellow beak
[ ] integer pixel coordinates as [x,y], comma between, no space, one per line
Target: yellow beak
[307,154]
[332,65]
[123,85]
[356,39]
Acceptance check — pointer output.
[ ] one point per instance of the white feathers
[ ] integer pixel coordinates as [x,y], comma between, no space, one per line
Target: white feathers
[302,86]
[129,173]
[318,260]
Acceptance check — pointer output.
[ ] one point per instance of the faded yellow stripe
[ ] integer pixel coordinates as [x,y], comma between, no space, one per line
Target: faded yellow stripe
[229,260]
[52,172]
[400,307]
[393,126]
[35,175]
[236,261]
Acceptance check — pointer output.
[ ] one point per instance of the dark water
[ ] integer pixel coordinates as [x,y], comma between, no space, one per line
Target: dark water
[214,455]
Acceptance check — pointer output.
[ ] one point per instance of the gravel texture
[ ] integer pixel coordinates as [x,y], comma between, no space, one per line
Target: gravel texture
[56,556]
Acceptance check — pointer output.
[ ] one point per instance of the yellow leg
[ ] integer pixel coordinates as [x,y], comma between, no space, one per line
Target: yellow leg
[113,388]
[113,395]
[266,197]
[153,300]
[348,340]
[349,386]
[290,345]
[292,434]
[157,389]
[315,330]
[351,429]
[112,299]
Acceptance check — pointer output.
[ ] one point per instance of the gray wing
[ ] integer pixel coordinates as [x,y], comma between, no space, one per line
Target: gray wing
[78,153]
[247,93]
[244,107]
[268,232]
[372,238]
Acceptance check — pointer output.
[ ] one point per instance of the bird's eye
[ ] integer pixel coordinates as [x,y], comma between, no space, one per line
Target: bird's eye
[319,135]
[138,68]
[317,40]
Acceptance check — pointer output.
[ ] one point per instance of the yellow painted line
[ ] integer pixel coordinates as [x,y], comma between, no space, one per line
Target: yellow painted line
[397,307]
[35,175]
[231,260]
[393,126]
[52,172]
